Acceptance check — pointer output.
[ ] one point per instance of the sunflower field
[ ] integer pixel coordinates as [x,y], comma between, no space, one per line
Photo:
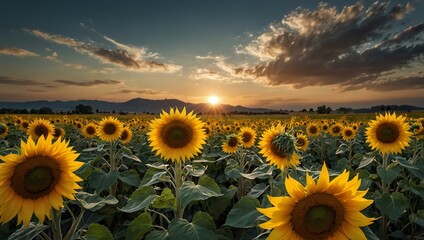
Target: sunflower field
[179,175]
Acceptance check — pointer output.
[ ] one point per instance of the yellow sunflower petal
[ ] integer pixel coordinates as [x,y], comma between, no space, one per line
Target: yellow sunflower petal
[353,232]
[323,180]
[295,189]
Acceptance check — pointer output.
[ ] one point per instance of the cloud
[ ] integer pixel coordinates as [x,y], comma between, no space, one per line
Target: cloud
[139,91]
[17,52]
[88,83]
[75,66]
[224,72]
[353,48]
[206,74]
[19,82]
[126,57]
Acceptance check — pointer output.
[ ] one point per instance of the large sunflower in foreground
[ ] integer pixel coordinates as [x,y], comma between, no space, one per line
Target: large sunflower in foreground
[388,133]
[40,127]
[109,129]
[35,181]
[176,135]
[323,210]
[279,147]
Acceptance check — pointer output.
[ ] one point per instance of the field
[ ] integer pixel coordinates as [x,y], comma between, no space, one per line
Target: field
[182,176]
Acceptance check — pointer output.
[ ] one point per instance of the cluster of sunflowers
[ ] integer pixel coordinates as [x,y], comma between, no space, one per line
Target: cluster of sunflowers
[35,181]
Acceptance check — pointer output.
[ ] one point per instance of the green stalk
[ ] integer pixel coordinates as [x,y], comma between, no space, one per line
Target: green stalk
[113,166]
[74,225]
[178,183]
[385,188]
[350,153]
[55,226]
[241,188]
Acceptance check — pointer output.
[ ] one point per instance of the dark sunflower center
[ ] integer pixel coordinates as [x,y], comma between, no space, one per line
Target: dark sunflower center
[325,127]
[109,128]
[336,129]
[2,128]
[57,133]
[313,130]
[207,130]
[35,177]
[300,142]
[177,134]
[317,216]
[387,133]
[348,133]
[124,135]
[232,142]
[41,130]
[246,137]
[25,125]
[90,130]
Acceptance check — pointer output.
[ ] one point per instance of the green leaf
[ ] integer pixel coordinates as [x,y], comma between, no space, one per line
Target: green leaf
[94,202]
[132,157]
[158,166]
[206,188]
[244,213]
[369,233]
[202,228]
[262,172]
[28,233]
[390,173]
[393,205]
[153,176]
[140,199]
[98,232]
[165,200]
[100,180]
[342,148]
[417,189]
[196,170]
[406,164]
[257,190]
[233,169]
[158,235]
[219,204]
[139,227]
[130,177]
[366,160]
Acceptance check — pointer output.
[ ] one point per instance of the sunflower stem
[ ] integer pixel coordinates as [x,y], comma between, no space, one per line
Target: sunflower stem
[350,153]
[241,188]
[113,166]
[74,225]
[178,183]
[385,188]
[56,226]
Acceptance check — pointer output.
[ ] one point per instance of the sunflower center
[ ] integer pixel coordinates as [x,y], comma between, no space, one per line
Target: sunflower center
[177,134]
[387,133]
[90,130]
[317,216]
[57,133]
[25,125]
[246,137]
[313,130]
[325,127]
[300,142]
[41,130]
[2,129]
[35,177]
[232,142]
[124,135]
[336,129]
[109,128]
[348,133]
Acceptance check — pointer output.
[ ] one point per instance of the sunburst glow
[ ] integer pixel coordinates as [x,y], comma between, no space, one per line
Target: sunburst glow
[213,100]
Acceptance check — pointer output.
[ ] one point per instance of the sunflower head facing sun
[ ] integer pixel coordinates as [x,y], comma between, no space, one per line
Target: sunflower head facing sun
[248,137]
[40,127]
[35,181]
[89,130]
[109,129]
[177,136]
[279,147]
[320,210]
[388,133]
[231,143]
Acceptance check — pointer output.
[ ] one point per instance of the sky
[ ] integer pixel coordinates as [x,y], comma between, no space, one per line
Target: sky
[272,54]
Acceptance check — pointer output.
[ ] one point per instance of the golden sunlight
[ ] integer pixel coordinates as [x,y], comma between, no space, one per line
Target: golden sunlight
[213,100]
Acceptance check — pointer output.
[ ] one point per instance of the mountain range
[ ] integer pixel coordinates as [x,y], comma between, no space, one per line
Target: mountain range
[137,105]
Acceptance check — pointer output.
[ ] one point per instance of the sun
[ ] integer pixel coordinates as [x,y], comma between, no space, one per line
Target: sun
[213,100]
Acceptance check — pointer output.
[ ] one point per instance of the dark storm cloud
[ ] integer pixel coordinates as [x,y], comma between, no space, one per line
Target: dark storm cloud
[126,57]
[21,82]
[352,49]
[89,83]
[17,52]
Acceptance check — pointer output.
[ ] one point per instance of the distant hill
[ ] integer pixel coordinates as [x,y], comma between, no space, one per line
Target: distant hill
[137,105]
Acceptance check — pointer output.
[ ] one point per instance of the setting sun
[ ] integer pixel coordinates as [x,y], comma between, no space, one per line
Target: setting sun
[213,100]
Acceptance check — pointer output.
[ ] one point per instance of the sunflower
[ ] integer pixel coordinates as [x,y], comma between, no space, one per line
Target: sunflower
[231,143]
[324,127]
[3,130]
[207,130]
[248,136]
[40,127]
[348,133]
[109,129]
[312,130]
[126,135]
[279,147]
[89,130]
[388,133]
[35,181]
[59,133]
[336,129]
[302,142]
[322,210]
[176,135]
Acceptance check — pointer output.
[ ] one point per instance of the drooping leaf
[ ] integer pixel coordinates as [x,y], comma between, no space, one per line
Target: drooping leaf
[131,177]
[139,227]
[206,188]
[28,233]
[244,213]
[140,199]
[94,202]
[200,229]
[98,232]
[393,205]
[389,174]
[100,180]
[165,200]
